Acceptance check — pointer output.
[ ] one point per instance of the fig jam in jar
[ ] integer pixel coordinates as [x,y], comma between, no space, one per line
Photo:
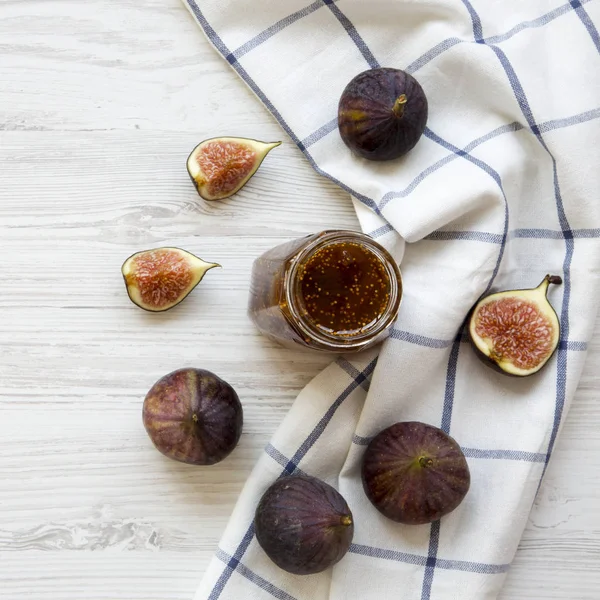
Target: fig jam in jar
[336,291]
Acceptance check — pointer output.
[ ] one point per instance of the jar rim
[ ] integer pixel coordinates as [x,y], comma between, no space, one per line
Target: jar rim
[362,338]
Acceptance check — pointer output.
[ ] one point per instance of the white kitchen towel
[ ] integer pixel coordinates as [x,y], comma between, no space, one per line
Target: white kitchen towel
[502,188]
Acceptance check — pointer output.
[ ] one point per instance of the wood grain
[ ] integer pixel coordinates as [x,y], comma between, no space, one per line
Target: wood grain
[100,103]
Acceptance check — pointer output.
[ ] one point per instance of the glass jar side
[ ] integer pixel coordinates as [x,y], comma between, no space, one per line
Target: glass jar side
[267,305]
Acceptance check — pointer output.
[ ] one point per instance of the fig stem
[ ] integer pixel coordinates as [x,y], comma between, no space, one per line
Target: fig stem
[209,266]
[346,520]
[426,462]
[554,279]
[400,105]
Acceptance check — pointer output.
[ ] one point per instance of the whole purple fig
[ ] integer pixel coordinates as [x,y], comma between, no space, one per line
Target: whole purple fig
[382,113]
[414,473]
[303,524]
[193,416]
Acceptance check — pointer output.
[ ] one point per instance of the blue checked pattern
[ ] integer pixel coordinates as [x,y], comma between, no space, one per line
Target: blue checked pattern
[504,179]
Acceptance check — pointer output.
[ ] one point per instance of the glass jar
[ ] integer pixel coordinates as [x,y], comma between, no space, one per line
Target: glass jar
[336,291]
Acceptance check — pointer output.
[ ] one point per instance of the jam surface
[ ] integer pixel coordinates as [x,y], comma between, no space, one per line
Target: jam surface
[344,287]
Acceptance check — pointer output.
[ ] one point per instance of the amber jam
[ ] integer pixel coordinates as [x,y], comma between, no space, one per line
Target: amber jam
[337,291]
[344,288]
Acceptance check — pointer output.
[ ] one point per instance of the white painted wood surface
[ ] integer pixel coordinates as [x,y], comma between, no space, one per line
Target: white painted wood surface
[100,103]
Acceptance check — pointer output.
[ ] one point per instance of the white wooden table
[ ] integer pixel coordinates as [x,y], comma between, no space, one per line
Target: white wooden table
[100,103]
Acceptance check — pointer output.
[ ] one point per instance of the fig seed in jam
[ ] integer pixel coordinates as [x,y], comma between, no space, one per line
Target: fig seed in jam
[345,288]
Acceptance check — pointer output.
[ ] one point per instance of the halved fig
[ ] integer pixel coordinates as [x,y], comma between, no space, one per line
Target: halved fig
[220,167]
[159,279]
[516,331]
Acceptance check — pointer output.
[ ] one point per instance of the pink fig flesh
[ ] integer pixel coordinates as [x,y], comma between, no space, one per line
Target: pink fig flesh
[516,331]
[220,167]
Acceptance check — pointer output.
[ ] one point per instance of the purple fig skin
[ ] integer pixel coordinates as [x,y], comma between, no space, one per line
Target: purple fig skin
[303,525]
[414,473]
[193,416]
[382,114]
